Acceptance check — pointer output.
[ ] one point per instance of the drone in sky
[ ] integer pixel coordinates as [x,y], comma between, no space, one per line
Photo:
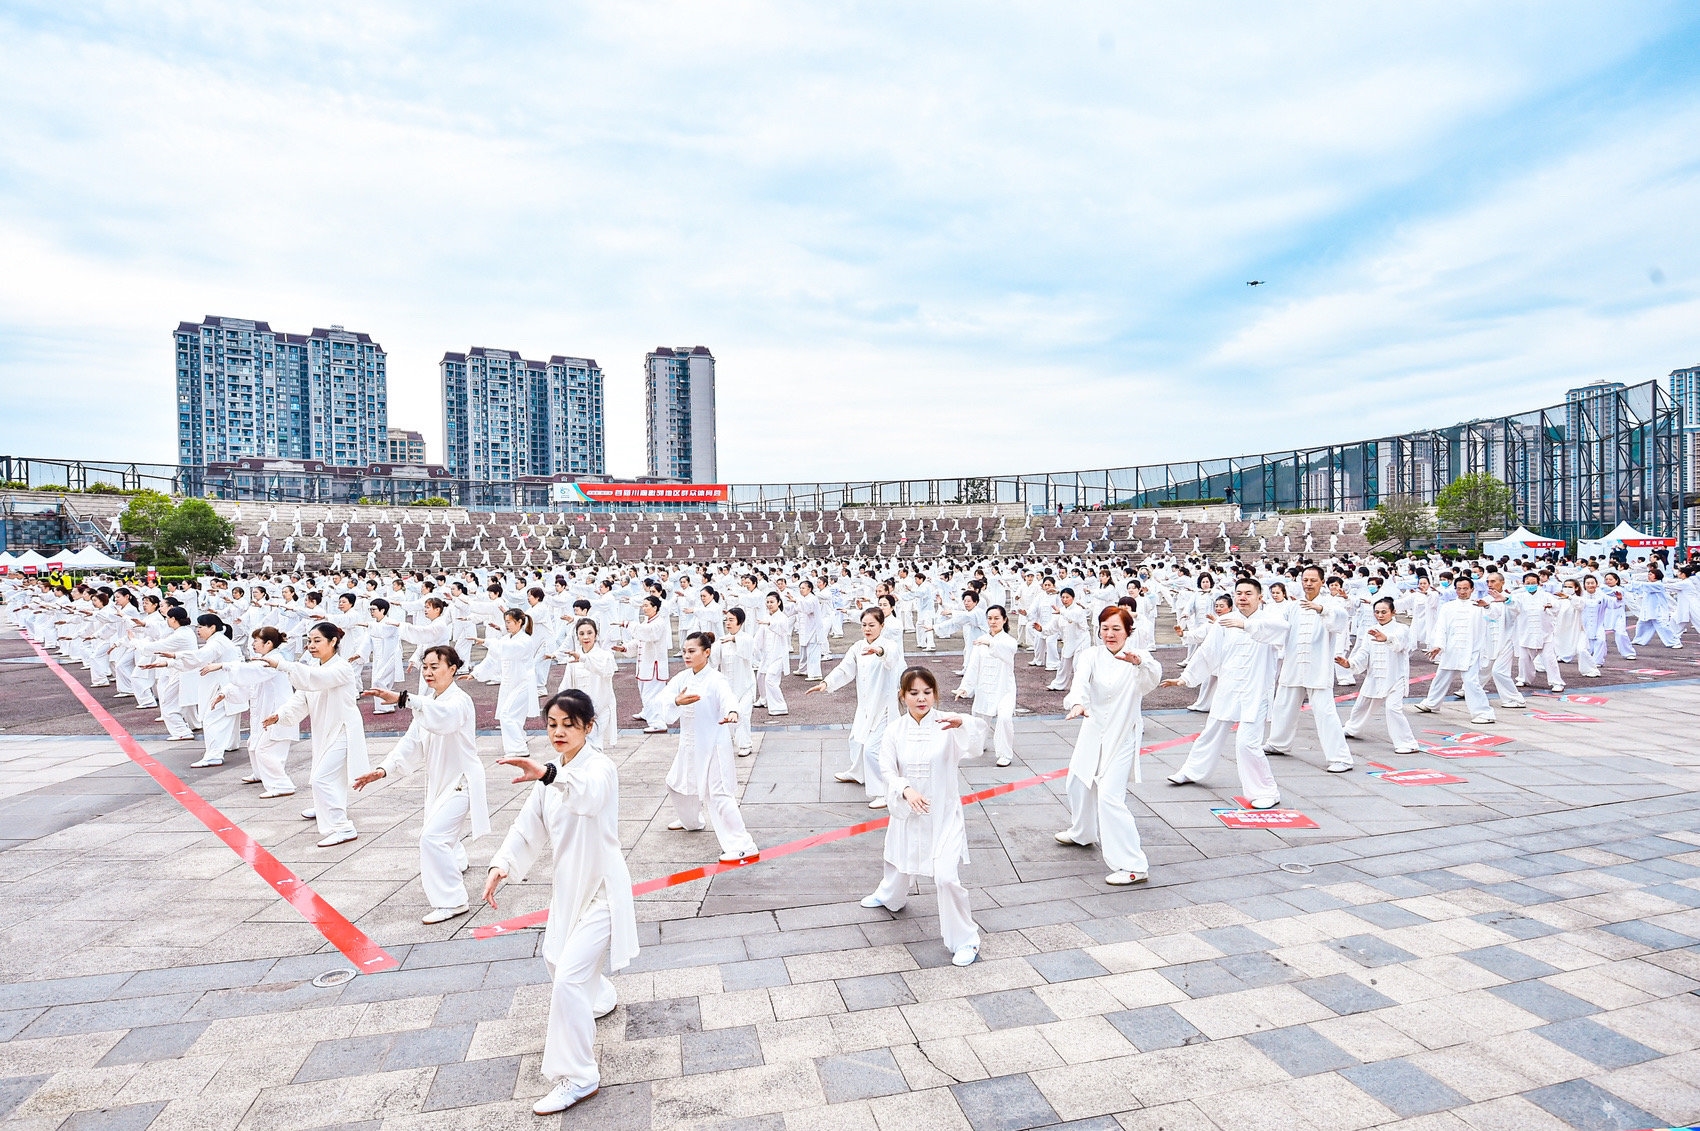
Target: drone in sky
[1254,282]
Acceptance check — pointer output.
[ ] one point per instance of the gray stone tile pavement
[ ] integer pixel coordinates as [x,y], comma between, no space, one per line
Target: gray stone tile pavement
[1516,951]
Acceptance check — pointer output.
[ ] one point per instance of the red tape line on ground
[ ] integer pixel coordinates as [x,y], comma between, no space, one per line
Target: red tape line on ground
[368,957]
[690,875]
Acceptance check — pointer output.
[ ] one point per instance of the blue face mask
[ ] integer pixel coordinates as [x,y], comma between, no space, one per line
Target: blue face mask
[1531,588]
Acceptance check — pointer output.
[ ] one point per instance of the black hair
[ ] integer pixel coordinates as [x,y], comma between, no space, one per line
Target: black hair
[446,653]
[177,614]
[704,638]
[380,604]
[329,631]
[738,614]
[574,704]
[1388,601]
[214,621]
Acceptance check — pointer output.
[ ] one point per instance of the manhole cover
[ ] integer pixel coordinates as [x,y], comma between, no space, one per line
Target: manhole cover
[332,978]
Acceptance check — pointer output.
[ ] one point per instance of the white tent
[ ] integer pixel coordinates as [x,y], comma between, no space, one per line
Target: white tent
[91,557]
[29,560]
[8,562]
[1640,546]
[1519,542]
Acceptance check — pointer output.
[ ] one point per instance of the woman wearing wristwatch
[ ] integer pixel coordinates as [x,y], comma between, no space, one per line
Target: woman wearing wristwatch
[574,810]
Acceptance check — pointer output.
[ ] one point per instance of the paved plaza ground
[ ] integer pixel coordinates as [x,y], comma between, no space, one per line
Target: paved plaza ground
[1519,950]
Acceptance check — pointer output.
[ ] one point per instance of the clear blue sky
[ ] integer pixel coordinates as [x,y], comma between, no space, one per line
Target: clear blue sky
[920,239]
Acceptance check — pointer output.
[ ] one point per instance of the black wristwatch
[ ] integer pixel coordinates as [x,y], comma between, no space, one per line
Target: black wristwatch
[401,700]
[549,772]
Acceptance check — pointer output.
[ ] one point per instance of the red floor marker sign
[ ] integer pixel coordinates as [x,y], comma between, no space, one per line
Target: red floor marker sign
[1420,776]
[1245,817]
[1473,738]
[1561,717]
[1587,700]
[1650,671]
[1465,752]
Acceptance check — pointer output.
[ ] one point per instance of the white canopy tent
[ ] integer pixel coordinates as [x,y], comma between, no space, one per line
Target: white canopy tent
[30,562]
[1638,546]
[91,557]
[1520,542]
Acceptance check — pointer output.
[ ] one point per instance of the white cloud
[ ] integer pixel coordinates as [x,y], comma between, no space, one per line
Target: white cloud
[924,240]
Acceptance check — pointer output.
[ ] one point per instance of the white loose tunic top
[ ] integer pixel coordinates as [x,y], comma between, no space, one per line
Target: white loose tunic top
[926,756]
[577,816]
[1112,692]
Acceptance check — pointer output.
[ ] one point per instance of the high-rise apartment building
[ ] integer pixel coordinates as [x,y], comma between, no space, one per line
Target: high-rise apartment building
[405,446]
[679,384]
[505,418]
[247,391]
[1685,391]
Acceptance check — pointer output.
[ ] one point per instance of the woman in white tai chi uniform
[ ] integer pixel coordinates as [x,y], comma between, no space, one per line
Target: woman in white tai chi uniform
[574,811]
[650,635]
[1110,685]
[256,688]
[443,738]
[927,836]
[734,658]
[773,645]
[179,637]
[873,666]
[1383,658]
[511,662]
[703,780]
[989,676]
[221,725]
[328,692]
[590,668]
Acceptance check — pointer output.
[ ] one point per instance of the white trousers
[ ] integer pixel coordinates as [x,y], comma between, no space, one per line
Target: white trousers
[812,654]
[579,994]
[768,690]
[1257,780]
[865,763]
[330,789]
[1000,728]
[1393,711]
[720,807]
[956,920]
[442,856]
[1099,815]
[1474,697]
[1065,673]
[221,734]
[1669,632]
[171,707]
[1504,681]
[649,693]
[1284,721]
[269,757]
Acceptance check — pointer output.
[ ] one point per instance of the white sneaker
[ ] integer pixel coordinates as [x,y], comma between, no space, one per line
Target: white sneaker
[1273,750]
[877,803]
[1268,803]
[1003,761]
[309,815]
[745,751]
[847,778]
[1407,750]
[1122,879]
[205,762]
[872,901]
[270,793]
[563,1096]
[1519,705]
[1064,838]
[337,838]
[740,857]
[1422,708]
[1178,778]
[1339,767]
[1483,720]
[443,914]
[676,826]
[965,956]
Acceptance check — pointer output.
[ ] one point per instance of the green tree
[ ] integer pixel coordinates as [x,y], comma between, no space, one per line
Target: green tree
[197,532]
[1474,503]
[145,518]
[1402,518]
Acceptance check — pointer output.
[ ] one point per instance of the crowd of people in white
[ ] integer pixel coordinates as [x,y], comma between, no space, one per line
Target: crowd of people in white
[1262,638]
